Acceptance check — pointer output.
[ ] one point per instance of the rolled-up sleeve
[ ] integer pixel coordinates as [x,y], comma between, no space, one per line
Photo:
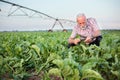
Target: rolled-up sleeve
[93,23]
[74,33]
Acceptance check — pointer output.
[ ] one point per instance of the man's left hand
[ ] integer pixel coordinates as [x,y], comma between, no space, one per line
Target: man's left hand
[88,40]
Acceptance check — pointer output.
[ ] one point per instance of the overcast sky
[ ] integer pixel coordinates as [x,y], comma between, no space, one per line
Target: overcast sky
[106,13]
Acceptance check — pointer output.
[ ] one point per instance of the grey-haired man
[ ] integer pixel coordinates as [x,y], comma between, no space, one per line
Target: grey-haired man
[88,31]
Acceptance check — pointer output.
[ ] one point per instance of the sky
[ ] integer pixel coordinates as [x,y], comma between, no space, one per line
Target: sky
[106,12]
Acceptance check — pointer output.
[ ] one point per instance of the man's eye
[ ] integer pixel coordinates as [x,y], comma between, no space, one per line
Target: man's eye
[82,23]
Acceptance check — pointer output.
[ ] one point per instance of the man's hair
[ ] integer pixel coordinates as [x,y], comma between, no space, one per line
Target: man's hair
[81,15]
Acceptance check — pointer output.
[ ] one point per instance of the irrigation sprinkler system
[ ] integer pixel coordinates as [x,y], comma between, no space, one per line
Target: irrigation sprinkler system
[23,8]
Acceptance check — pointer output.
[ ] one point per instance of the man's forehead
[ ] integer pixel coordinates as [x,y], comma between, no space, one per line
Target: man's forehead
[81,18]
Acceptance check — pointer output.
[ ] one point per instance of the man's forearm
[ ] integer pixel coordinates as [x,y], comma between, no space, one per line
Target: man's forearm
[96,33]
[70,40]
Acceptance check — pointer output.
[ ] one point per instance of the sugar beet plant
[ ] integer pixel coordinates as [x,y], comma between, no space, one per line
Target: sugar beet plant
[45,56]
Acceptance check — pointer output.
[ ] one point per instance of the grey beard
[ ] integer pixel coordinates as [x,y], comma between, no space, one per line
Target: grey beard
[83,27]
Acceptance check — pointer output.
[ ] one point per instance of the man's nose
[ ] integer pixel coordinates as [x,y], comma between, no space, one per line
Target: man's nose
[82,24]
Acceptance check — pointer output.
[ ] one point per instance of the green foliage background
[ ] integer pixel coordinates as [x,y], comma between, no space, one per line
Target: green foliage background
[45,55]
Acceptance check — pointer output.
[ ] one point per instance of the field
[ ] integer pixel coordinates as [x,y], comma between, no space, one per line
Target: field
[45,56]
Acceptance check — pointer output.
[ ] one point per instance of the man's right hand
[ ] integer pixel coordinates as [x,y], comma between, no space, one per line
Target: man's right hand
[73,41]
[76,41]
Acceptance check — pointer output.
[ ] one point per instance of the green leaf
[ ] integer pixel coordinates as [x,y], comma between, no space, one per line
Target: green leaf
[67,71]
[107,56]
[1,60]
[59,63]
[30,56]
[88,73]
[36,48]
[89,65]
[70,62]
[55,72]
[76,74]
[53,56]
[83,47]
[116,59]
[116,73]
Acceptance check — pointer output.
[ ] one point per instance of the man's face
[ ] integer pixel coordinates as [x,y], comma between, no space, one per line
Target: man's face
[81,21]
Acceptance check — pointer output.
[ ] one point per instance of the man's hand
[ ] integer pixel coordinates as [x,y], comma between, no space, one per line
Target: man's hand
[73,41]
[76,41]
[88,40]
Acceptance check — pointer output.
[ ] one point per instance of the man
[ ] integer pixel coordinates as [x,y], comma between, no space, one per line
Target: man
[88,31]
